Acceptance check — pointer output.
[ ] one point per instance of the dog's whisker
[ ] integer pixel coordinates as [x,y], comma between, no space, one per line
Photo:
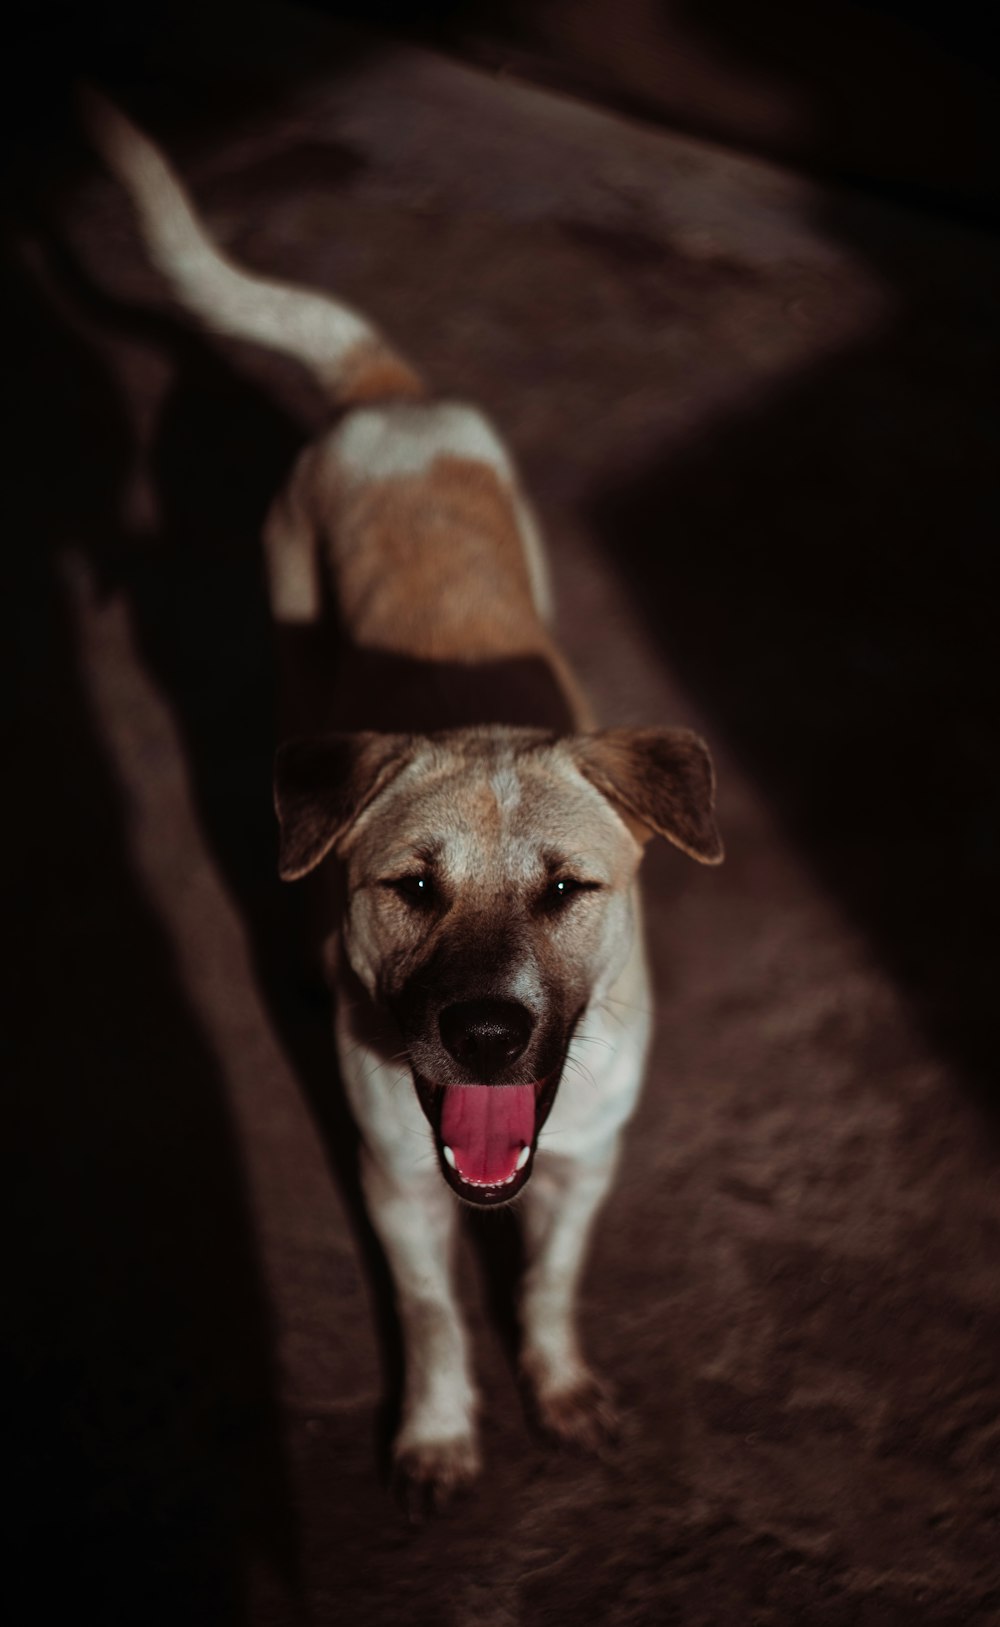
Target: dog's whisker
[428,1153]
[582,1070]
[386,1062]
[593,1039]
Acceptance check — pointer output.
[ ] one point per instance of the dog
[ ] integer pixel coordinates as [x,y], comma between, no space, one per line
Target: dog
[476,838]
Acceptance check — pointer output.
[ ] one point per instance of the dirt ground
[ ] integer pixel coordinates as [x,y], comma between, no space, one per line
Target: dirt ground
[759,421]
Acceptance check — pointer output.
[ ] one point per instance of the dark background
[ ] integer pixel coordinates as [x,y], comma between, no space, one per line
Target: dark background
[796,1289]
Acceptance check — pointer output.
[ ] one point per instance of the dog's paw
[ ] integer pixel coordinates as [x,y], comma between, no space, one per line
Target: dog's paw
[428,1474]
[581,1414]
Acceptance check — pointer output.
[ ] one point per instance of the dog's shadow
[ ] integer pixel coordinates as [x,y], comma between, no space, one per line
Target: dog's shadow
[201,623]
[142,1439]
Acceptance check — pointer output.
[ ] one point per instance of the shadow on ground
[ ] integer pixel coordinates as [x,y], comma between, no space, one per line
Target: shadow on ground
[142,1453]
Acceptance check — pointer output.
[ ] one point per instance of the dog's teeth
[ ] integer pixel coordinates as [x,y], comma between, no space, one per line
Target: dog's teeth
[486,1186]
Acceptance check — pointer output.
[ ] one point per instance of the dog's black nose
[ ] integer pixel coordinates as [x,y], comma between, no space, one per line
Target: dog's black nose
[485,1036]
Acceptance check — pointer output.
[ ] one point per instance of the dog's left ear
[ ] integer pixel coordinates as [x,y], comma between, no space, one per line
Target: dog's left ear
[661,781]
[322,786]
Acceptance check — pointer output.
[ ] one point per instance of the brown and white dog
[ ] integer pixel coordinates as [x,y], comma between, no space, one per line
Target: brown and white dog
[480,837]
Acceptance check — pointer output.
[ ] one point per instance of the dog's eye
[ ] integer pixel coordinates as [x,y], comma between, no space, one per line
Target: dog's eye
[559,893]
[417,890]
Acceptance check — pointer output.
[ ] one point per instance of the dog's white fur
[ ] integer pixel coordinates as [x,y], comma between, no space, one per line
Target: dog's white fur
[315,526]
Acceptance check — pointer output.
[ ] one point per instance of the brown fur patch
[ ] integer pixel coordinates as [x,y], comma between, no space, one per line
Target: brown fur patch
[432,565]
[371,372]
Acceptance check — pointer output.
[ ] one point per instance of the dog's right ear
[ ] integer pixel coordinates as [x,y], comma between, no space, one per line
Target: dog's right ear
[321,786]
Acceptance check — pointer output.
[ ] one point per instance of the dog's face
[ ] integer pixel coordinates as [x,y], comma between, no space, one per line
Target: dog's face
[489,881]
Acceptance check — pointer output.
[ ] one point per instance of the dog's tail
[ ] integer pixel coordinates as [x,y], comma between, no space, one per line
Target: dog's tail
[345,354]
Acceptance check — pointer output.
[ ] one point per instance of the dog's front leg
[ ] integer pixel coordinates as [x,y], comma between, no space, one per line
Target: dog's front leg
[570,1181]
[414,1216]
[436,1448]
[559,1206]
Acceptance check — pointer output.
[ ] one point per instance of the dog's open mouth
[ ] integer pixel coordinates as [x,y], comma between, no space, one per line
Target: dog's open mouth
[486,1134]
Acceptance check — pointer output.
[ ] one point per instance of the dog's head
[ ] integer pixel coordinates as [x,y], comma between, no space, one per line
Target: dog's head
[488,877]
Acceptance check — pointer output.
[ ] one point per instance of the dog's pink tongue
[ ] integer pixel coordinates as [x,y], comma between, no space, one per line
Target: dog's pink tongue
[486,1127]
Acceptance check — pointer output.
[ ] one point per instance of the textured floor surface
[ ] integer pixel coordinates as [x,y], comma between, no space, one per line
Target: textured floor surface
[756,418]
